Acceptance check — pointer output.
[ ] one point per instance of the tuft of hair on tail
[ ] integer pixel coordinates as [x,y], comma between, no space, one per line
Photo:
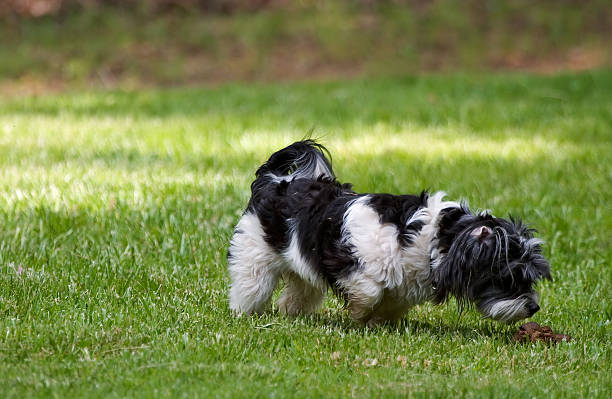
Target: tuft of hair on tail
[304,159]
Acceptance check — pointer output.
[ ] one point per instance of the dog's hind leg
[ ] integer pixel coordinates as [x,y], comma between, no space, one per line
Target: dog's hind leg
[299,296]
[254,267]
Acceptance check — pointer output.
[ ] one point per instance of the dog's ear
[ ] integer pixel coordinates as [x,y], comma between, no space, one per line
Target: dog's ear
[452,222]
[443,282]
[537,268]
[450,277]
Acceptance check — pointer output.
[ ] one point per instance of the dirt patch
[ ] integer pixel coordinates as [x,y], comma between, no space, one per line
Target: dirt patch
[576,59]
[533,332]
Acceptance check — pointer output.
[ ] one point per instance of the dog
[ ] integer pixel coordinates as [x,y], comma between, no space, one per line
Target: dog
[381,253]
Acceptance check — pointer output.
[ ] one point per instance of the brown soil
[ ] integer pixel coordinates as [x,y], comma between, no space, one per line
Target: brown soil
[533,332]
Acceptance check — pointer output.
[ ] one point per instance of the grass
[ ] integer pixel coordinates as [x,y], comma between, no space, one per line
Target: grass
[116,209]
[111,47]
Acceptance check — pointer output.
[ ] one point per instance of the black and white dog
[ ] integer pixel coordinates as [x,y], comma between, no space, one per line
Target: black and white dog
[382,253]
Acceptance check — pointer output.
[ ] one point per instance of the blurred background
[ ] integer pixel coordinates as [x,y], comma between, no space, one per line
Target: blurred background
[51,45]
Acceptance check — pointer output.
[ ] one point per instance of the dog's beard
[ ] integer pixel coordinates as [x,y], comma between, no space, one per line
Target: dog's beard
[509,310]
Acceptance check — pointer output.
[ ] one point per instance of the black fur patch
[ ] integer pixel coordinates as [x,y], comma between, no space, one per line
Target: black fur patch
[398,209]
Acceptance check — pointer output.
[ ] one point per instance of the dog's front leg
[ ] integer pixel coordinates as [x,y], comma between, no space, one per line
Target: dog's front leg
[364,294]
[389,310]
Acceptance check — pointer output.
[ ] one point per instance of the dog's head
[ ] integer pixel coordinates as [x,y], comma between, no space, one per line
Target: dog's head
[491,262]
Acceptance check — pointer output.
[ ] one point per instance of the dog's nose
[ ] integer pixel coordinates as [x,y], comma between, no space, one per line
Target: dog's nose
[532,308]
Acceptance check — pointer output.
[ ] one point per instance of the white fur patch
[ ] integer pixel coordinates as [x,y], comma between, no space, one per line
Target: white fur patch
[374,244]
[510,310]
[254,267]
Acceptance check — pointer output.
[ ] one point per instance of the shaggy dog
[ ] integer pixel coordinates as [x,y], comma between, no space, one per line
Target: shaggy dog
[382,253]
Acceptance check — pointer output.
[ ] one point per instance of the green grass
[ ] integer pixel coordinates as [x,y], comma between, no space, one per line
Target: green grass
[116,209]
[112,47]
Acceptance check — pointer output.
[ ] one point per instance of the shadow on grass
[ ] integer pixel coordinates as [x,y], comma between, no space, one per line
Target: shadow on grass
[480,104]
[405,326]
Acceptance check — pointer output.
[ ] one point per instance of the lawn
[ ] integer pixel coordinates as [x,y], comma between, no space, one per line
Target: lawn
[116,209]
[119,47]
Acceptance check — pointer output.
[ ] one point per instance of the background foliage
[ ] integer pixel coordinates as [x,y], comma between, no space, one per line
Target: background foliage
[136,44]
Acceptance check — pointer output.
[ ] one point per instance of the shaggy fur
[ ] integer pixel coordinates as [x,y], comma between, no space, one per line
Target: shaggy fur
[382,253]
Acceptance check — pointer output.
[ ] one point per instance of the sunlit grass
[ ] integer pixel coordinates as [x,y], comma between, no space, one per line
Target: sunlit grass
[116,210]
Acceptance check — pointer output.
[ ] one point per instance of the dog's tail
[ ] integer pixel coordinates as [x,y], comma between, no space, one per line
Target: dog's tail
[301,160]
